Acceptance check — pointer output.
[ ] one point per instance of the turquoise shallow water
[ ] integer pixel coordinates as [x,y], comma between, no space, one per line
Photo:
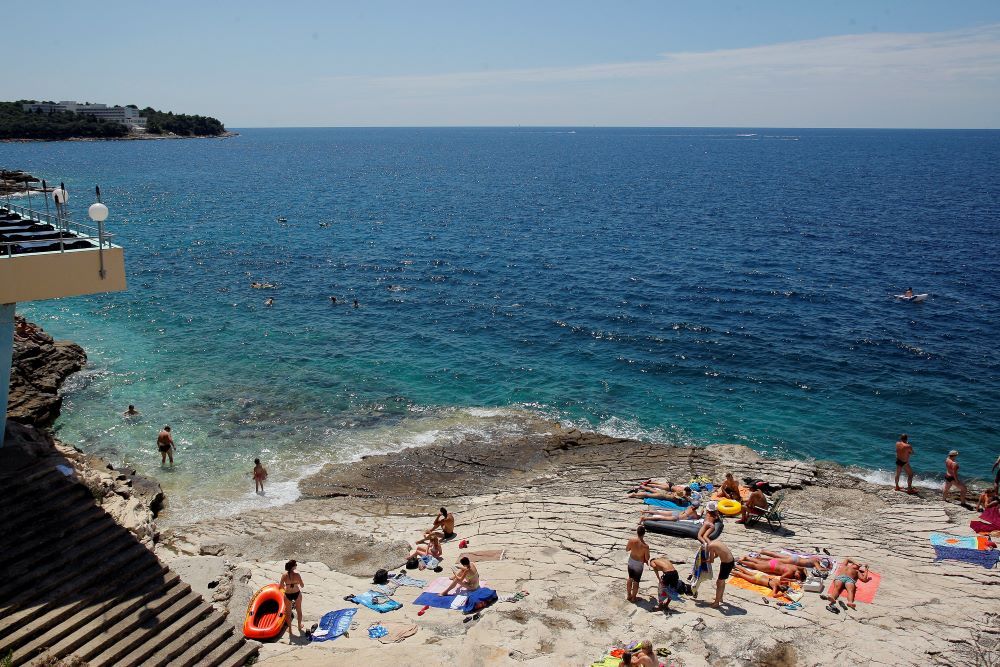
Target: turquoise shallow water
[695,286]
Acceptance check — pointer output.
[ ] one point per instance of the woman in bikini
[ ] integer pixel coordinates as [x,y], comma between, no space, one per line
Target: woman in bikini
[432,548]
[799,560]
[776,584]
[688,513]
[291,583]
[775,566]
[467,577]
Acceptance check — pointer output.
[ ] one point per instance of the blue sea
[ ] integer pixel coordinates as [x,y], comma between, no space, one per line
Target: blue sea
[692,286]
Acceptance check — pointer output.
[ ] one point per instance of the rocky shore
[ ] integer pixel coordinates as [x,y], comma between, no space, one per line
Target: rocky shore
[40,366]
[555,503]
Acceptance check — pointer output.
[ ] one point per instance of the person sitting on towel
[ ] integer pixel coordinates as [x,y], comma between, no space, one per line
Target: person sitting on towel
[776,584]
[467,577]
[432,548]
[755,504]
[730,488]
[689,513]
[444,527]
[987,499]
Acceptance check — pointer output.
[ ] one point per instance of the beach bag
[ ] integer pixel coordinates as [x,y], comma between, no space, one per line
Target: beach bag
[412,563]
[381,577]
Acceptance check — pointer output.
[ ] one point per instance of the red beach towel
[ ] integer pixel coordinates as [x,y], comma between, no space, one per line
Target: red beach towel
[866,589]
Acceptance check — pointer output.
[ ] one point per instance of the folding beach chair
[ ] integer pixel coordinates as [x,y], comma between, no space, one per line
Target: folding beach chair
[772,514]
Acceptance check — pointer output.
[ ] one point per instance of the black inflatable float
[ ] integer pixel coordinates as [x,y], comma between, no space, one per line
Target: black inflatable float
[682,528]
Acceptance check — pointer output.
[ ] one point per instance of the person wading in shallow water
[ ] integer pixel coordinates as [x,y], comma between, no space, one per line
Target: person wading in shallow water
[904,450]
[165,443]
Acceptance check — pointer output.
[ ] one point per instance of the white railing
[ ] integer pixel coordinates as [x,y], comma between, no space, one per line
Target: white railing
[61,223]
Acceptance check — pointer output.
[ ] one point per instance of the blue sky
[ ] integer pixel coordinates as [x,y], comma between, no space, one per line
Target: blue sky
[294,63]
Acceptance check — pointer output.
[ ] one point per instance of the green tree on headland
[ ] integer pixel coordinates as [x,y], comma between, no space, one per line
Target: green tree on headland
[16,123]
[185,125]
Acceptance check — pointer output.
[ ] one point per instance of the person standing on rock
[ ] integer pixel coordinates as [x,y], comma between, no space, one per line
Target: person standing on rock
[904,450]
[638,556]
[165,443]
[291,583]
[717,549]
[951,477]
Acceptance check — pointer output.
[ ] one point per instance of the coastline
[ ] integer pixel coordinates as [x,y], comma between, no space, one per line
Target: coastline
[553,499]
[132,137]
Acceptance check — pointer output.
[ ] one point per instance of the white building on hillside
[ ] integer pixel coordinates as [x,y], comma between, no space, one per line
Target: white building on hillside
[125,115]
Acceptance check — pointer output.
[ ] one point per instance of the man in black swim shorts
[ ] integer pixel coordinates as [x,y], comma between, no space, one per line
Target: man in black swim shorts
[717,549]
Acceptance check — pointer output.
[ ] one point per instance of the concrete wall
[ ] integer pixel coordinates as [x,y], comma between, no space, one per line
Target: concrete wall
[50,275]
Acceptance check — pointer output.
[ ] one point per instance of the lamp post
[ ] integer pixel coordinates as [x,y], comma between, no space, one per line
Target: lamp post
[98,212]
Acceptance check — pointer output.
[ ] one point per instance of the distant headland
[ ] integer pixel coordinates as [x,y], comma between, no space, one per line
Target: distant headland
[30,120]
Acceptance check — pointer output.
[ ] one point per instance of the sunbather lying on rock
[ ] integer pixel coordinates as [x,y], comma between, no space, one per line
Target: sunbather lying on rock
[776,584]
[799,560]
[688,513]
[775,566]
[682,498]
[847,581]
[666,486]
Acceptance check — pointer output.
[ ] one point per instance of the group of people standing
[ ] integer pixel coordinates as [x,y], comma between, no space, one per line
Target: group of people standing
[904,451]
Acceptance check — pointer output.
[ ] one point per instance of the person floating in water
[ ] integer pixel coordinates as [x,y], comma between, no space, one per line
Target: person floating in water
[333,300]
[259,475]
[131,412]
[908,293]
[165,443]
[356,304]
[269,302]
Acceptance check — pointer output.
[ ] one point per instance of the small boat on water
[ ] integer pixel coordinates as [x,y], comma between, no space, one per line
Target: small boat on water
[267,613]
[282,218]
[913,298]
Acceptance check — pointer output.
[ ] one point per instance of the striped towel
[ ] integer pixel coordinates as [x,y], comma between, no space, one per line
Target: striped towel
[955,541]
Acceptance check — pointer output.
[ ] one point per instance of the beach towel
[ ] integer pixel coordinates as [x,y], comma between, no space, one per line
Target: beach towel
[992,515]
[665,504]
[983,527]
[388,589]
[957,542]
[608,661]
[701,570]
[482,555]
[866,589]
[406,580]
[479,599]
[333,624]
[398,631]
[429,562]
[756,588]
[375,601]
[987,558]
[440,601]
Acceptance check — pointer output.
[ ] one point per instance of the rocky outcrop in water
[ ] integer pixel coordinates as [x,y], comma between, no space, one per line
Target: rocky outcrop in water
[40,366]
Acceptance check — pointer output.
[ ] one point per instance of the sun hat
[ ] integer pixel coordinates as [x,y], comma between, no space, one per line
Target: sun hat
[953,452]
[713,506]
[695,502]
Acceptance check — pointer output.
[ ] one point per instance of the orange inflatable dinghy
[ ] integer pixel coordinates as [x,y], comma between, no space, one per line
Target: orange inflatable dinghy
[267,613]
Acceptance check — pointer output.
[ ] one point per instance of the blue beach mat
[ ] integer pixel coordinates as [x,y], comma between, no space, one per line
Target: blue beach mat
[377,601]
[666,504]
[987,559]
[333,624]
[435,600]
[481,597]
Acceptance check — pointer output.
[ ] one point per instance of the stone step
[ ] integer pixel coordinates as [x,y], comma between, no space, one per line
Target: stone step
[102,636]
[56,537]
[34,485]
[67,509]
[144,630]
[174,638]
[39,494]
[25,608]
[192,655]
[234,652]
[54,625]
[97,626]
[59,571]
[209,633]
[35,510]
[244,651]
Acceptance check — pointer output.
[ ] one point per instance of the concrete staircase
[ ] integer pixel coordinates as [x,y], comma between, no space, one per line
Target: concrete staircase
[75,583]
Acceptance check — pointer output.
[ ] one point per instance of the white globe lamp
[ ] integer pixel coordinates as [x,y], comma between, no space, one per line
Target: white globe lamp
[98,212]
